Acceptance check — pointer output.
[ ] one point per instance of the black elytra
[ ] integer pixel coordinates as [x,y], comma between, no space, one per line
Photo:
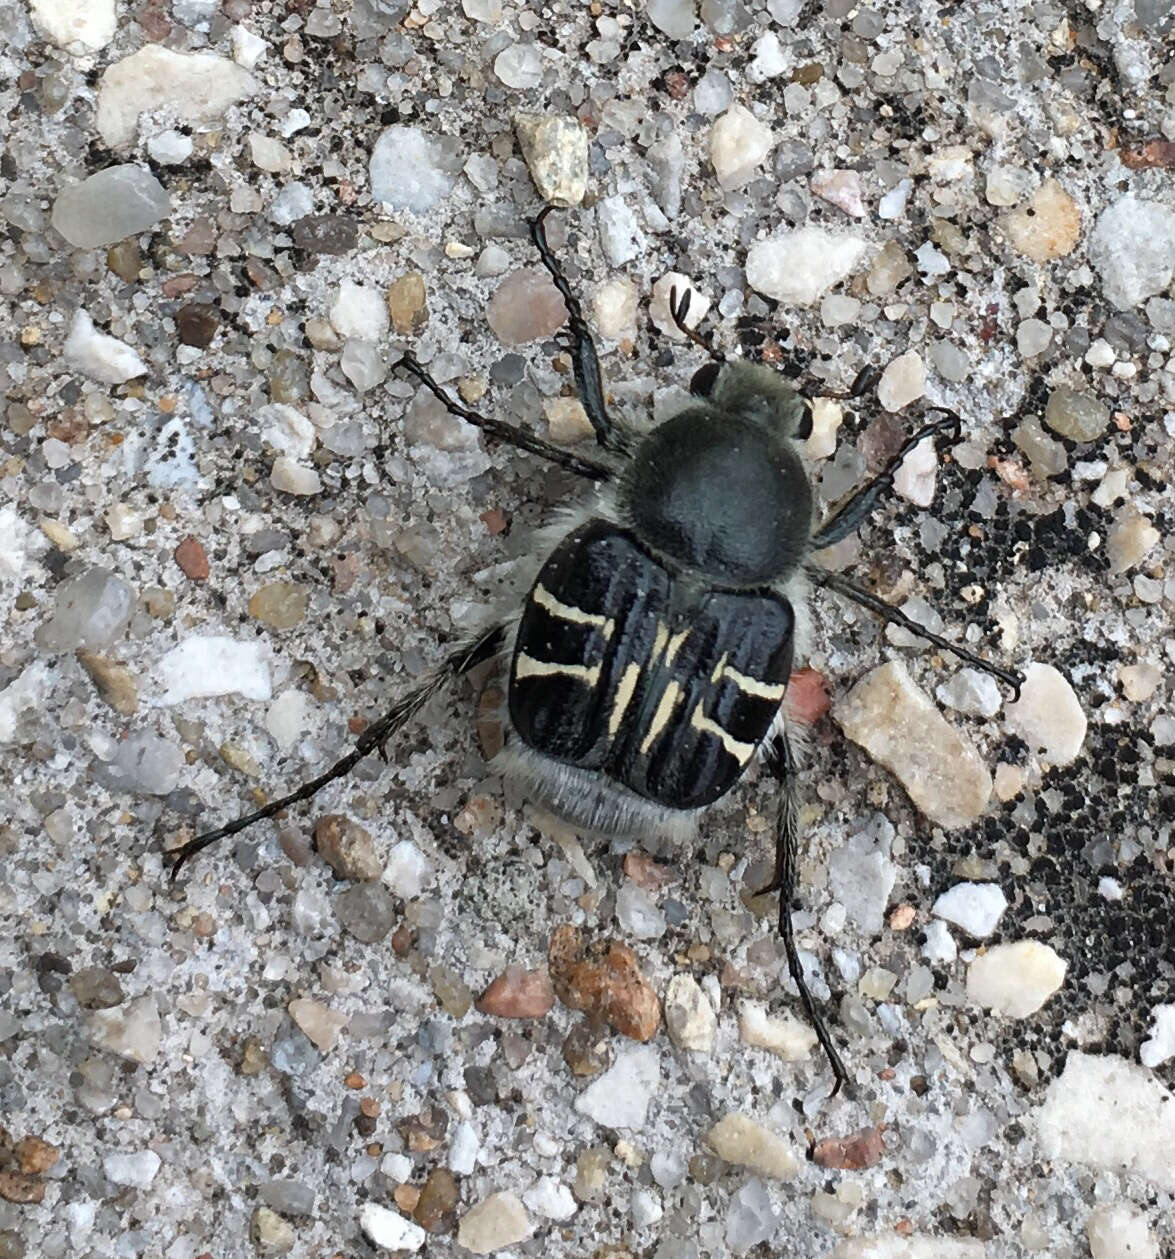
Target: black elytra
[647,667]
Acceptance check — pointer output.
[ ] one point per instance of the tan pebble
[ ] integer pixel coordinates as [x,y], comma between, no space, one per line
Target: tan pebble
[408,303]
[784,1035]
[1009,781]
[497,1222]
[1139,681]
[852,1153]
[319,1022]
[347,847]
[739,1139]
[647,873]
[518,994]
[567,421]
[603,978]
[1048,227]
[35,1157]
[115,682]
[281,605]
[902,917]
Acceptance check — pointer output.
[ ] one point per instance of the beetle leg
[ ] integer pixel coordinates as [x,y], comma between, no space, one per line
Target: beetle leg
[848,516]
[508,433]
[374,737]
[585,361]
[782,763]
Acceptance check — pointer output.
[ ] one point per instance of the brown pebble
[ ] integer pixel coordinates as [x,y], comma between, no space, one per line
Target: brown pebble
[424,1131]
[281,605]
[677,85]
[852,1153]
[408,303]
[196,323]
[354,1080]
[370,1107]
[586,1049]
[603,979]
[1160,153]
[115,682]
[193,559]
[436,1208]
[518,994]
[21,1189]
[403,939]
[902,917]
[647,873]
[34,1156]
[406,1197]
[177,285]
[490,706]
[347,848]
[807,696]
[495,521]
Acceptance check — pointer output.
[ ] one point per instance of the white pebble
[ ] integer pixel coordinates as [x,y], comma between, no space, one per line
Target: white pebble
[689,1015]
[464,1149]
[940,944]
[902,382]
[699,304]
[248,49]
[520,66]
[269,154]
[768,61]
[917,476]
[620,1097]
[288,717]
[739,1139]
[1161,1044]
[1118,1231]
[1132,248]
[550,1198]
[1015,980]
[638,914]
[408,871]
[132,1031]
[134,1170]
[494,1223]
[972,692]
[411,169]
[170,148]
[98,356]
[286,429]
[1048,715]
[1108,1114]
[360,311]
[739,142]
[861,876]
[206,665]
[976,907]
[800,266]
[78,26]
[645,1208]
[389,1229]
[291,477]
[782,1034]
[620,234]
[193,88]
[614,308]
[674,18]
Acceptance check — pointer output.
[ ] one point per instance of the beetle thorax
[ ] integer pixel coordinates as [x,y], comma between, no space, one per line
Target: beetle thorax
[721,495]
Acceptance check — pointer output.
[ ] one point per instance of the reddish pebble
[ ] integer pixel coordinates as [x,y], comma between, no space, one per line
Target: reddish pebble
[807,696]
[603,979]
[647,873]
[495,521]
[902,917]
[852,1153]
[518,994]
[177,285]
[192,558]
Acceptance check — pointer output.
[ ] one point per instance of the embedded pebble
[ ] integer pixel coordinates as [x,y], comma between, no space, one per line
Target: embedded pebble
[136,1171]
[896,723]
[917,476]
[827,417]
[96,988]
[364,366]
[194,88]
[413,170]
[518,993]
[1015,980]
[855,1152]
[1132,248]
[638,914]
[145,762]
[520,66]
[739,1139]
[27,691]
[287,1197]
[1048,715]
[1160,1046]
[689,1016]
[205,665]
[555,150]
[1048,227]
[1075,414]
[1118,1231]
[366,911]
[739,144]
[291,477]
[841,188]
[912,1246]
[99,356]
[408,871]
[975,907]
[1130,540]
[614,308]
[270,1234]
[79,26]
[525,307]
[1105,1113]
[800,266]
[620,235]
[131,1031]
[861,877]
[281,605]
[567,421]
[902,383]
[620,1098]
[712,92]
[109,206]
[91,610]
[972,692]
[389,1229]
[674,18]
[320,1024]
[360,311]
[407,299]
[603,978]
[1046,454]
[940,944]
[781,1034]
[347,847]
[493,1224]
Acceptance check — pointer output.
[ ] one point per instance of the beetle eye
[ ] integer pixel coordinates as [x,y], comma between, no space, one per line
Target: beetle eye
[804,424]
[702,381]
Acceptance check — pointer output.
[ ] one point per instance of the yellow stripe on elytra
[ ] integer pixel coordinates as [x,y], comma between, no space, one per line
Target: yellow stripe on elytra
[528,667]
[774,691]
[567,612]
[624,693]
[741,752]
[661,717]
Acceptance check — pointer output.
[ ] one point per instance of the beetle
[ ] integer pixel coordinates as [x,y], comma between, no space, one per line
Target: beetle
[649,662]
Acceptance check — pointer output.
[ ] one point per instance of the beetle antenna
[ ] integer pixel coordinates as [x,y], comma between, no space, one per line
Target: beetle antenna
[679,309]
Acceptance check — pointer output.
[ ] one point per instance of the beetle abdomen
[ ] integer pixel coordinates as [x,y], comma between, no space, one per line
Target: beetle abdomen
[621,669]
